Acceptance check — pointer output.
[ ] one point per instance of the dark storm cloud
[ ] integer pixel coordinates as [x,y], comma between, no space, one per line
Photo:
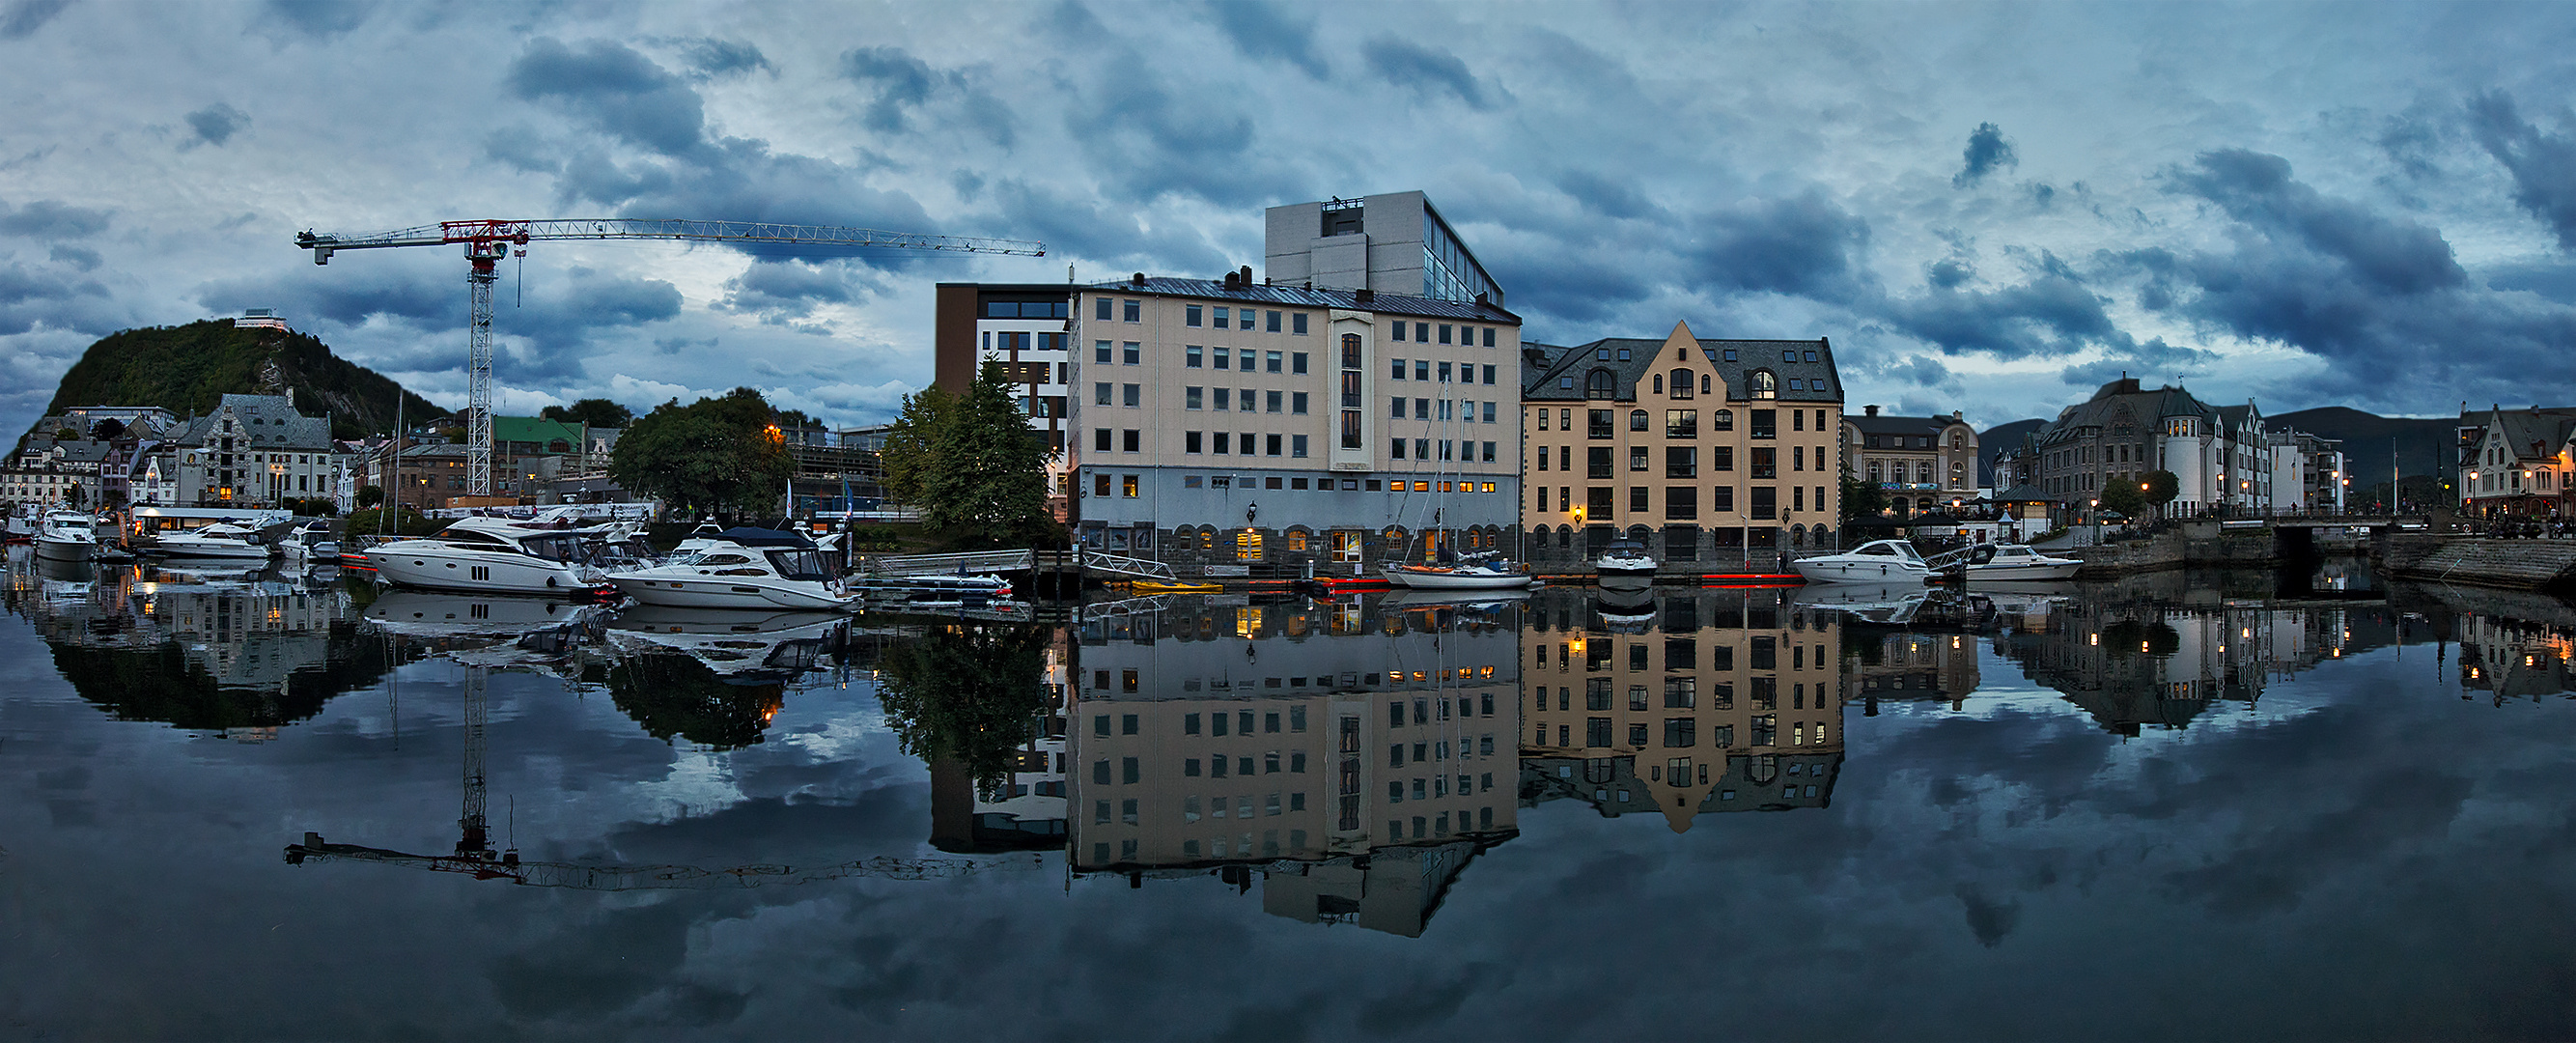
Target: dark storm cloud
[788,289]
[2051,313]
[2543,165]
[78,257]
[2369,294]
[21,18]
[1607,197]
[716,59]
[1428,72]
[1266,30]
[1949,273]
[33,296]
[216,123]
[2152,357]
[52,220]
[1987,152]
[900,82]
[616,90]
[320,18]
[1803,246]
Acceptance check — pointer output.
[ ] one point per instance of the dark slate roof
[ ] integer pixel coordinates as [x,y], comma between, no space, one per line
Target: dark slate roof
[1899,425]
[2533,433]
[2024,493]
[2149,408]
[283,428]
[1314,297]
[1542,366]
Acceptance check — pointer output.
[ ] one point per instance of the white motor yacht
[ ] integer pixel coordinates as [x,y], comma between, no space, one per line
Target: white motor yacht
[226,540]
[310,542]
[1624,562]
[1992,562]
[700,538]
[741,568]
[66,536]
[1878,561]
[487,556]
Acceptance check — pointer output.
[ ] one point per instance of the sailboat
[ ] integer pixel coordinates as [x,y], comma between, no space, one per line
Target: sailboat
[1450,570]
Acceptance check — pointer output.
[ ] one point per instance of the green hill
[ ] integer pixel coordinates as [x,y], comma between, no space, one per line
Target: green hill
[2424,447]
[188,369]
[1998,438]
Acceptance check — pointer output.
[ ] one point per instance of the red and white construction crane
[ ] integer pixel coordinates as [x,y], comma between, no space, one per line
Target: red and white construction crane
[487,242]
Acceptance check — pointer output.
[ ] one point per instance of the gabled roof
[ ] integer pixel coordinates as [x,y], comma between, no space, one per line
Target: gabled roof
[278,425]
[1629,360]
[2531,434]
[1901,425]
[2150,408]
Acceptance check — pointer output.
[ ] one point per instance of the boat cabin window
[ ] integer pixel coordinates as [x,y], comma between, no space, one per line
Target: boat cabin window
[799,564]
[1876,548]
[553,548]
[721,559]
[481,539]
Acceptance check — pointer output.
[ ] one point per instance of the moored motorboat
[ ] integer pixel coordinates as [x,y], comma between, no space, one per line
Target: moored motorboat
[1996,562]
[224,540]
[487,556]
[1624,562]
[66,536]
[741,568]
[1878,561]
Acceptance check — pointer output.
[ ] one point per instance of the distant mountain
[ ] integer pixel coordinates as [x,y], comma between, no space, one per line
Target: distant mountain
[1996,439]
[2424,447]
[188,369]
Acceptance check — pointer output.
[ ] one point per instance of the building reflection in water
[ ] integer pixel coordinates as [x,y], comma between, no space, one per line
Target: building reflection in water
[1356,755]
[2137,663]
[1716,700]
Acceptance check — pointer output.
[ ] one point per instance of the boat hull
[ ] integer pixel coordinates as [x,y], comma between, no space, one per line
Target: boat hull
[212,549]
[441,567]
[729,592]
[1439,579]
[64,550]
[1859,571]
[2017,573]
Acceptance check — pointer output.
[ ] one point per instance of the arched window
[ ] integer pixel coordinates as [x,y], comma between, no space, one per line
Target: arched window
[1600,384]
[1797,535]
[1726,420]
[1659,383]
[1821,536]
[1350,351]
[1636,420]
[1681,383]
[1765,385]
[1703,383]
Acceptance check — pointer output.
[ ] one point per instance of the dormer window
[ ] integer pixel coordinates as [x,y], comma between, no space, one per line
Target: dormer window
[1600,384]
[1764,384]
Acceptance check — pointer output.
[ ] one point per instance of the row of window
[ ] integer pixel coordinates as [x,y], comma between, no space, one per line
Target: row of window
[1429,750]
[1423,447]
[1271,402]
[1224,317]
[1422,333]
[1682,733]
[1425,369]
[1681,502]
[1465,411]
[1678,423]
[1680,653]
[1602,383]
[1194,356]
[1680,461]
[1198,441]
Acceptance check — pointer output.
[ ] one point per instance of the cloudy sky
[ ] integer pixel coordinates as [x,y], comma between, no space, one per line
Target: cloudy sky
[1988,208]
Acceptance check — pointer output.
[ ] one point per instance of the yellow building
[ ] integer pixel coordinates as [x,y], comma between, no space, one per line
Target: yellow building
[1712,453]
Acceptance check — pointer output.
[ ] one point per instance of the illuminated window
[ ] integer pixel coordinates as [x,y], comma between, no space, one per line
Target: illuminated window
[1247,545]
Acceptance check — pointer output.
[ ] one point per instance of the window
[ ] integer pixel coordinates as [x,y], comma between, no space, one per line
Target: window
[1766,462]
[1225,359]
[1681,461]
[1271,446]
[1243,318]
[1134,311]
[1681,503]
[1297,362]
[1444,333]
[1191,442]
[1100,482]
[1725,420]
[1638,499]
[1193,398]
[1765,423]
[1270,322]
[1297,324]
[1296,443]
[1596,461]
[1127,486]
[1192,356]
[1297,401]
[1133,393]
[1681,423]
[1193,316]
[1100,443]
[1395,369]
[1100,309]
[1598,423]
[1223,318]
[1395,407]
[1600,384]
[1270,361]
[1636,420]
[1636,458]
[1399,331]
[1764,385]
[1270,401]
[1766,503]
[1421,369]
[1131,441]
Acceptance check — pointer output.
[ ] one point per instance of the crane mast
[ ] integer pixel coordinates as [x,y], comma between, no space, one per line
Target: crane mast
[487,242]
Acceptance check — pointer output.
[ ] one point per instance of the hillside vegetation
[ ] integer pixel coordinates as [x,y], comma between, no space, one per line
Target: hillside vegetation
[188,369]
[2424,447]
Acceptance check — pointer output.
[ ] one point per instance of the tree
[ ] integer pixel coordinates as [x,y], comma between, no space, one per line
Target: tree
[370,495]
[719,454]
[72,495]
[1860,499]
[969,692]
[596,412]
[2161,489]
[2126,498]
[971,465]
[909,454]
[107,430]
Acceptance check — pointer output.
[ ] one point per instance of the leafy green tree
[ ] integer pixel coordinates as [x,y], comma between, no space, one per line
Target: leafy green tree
[676,696]
[1860,499]
[909,453]
[987,485]
[107,430]
[2126,498]
[2162,487]
[370,495]
[721,454]
[596,412]
[971,692]
[72,496]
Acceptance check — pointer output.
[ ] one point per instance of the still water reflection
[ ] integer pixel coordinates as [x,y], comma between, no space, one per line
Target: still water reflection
[2309,806]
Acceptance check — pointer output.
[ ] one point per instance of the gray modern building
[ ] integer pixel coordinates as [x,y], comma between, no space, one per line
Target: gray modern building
[1394,243]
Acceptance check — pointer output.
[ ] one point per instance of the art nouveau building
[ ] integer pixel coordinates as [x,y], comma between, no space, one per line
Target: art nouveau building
[2518,462]
[1704,450]
[1921,461]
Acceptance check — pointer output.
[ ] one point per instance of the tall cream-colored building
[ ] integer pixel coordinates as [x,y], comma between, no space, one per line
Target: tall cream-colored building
[1710,452]
[1734,700]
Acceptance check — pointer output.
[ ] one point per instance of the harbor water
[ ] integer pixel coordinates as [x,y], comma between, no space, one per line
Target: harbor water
[2239,804]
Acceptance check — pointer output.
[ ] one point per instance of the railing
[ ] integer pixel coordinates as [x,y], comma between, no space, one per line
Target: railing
[1095,561]
[947,564]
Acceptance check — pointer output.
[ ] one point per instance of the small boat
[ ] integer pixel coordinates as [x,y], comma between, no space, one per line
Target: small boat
[67,536]
[1878,561]
[487,556]
[1624,561]
[225,540]
[1992,562]
[1482,571]
[311,541]
[743,568]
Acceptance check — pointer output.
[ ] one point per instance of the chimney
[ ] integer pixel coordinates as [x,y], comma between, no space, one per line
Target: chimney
[1137,279]
[1366,295]
[1245,275]
[1958,414]
[1871,410]
[1232,282]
